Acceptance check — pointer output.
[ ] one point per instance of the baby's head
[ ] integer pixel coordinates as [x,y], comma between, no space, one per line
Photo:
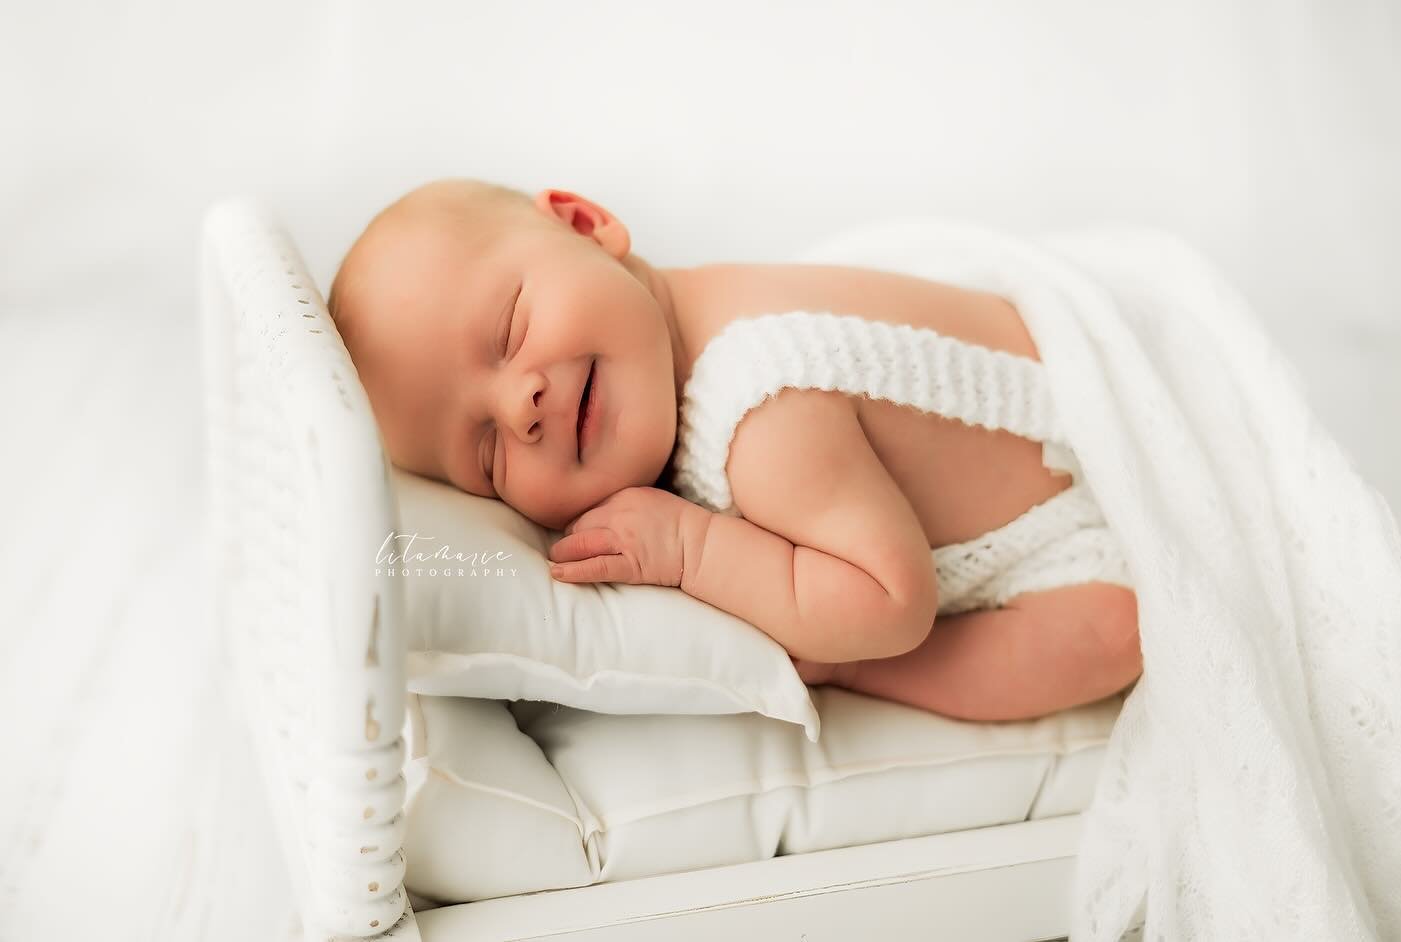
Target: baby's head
[474,314]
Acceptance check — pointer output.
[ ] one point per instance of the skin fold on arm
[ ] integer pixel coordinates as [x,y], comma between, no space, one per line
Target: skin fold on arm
[816,605]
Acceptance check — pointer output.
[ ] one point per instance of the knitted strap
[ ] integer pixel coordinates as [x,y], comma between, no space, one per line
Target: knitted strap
[754,358]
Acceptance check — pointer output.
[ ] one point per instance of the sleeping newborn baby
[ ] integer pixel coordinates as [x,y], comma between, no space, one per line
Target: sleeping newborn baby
[948,557]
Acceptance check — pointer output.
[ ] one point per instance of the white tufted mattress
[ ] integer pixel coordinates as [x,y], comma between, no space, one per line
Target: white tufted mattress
[571,798]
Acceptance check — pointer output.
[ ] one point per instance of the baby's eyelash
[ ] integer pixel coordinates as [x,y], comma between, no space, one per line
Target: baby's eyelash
[511,320]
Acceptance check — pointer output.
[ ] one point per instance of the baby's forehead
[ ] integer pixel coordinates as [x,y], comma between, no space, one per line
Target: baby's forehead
[419,263]
[423,247]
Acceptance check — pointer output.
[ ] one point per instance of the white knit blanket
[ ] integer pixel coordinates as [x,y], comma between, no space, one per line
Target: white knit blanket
[1251,788]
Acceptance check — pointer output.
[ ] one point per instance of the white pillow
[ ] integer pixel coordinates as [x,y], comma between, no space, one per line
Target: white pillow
[485,619]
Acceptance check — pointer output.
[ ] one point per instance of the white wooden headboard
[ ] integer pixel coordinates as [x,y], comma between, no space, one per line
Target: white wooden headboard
[299,501]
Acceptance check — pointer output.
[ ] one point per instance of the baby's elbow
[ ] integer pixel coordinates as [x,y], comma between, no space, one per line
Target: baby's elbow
[917,607]
[911,625]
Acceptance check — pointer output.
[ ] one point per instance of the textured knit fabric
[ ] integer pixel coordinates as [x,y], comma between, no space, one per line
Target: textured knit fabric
[1060,541]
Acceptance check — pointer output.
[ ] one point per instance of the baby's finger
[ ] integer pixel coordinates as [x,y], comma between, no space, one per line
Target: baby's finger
[594,569]
[582,545]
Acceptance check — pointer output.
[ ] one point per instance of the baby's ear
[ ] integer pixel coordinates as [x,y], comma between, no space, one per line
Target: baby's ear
[586,218]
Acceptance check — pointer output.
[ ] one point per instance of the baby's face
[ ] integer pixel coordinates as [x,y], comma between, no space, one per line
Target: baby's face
[474,347]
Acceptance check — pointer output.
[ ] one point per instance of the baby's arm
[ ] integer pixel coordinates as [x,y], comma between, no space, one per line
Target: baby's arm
[814,604]
[829,557]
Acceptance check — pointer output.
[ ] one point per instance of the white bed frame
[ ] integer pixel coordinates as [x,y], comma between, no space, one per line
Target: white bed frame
[299,499]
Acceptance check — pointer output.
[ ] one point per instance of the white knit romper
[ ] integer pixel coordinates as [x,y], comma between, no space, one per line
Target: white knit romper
[1061,541]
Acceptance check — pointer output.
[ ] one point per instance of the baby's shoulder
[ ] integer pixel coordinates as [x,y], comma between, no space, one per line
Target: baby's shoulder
[788,440]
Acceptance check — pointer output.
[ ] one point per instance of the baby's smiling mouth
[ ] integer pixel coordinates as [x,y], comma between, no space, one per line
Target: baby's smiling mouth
[583,411]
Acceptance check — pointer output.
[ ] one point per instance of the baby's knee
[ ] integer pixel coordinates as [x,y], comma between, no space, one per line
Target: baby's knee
[1115,622]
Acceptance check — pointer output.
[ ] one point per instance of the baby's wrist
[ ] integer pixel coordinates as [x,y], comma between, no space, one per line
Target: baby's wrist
[695,524]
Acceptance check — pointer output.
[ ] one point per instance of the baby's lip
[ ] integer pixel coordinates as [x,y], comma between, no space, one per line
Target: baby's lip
[578,405]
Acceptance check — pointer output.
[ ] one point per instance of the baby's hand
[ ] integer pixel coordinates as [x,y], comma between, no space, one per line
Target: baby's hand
[637,536]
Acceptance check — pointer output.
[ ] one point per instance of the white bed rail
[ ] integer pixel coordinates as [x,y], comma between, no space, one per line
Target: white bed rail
[299,503]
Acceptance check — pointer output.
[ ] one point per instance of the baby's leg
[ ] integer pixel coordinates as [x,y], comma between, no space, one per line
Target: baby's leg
[1042,652]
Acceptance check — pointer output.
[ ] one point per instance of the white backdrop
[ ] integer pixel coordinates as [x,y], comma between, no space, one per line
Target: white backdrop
[1265,133]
